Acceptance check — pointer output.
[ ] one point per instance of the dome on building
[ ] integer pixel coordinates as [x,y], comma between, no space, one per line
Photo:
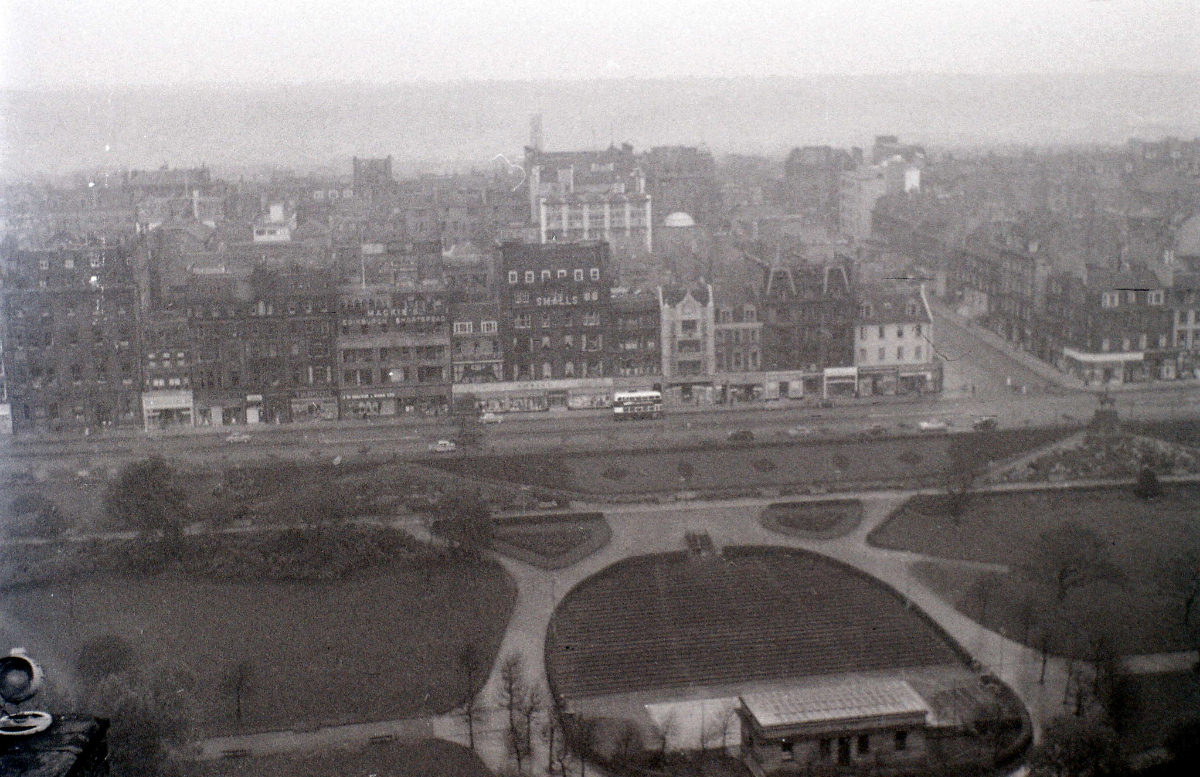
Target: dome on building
[679,219]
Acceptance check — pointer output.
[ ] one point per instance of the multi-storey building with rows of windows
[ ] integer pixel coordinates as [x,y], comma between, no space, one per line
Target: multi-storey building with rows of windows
[71,338]
[556,311]
[394,351]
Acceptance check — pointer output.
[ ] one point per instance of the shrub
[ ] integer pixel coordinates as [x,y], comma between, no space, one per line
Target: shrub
[1147,486]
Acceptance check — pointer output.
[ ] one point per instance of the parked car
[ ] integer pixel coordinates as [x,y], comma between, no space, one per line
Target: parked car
[986,424]
[490,418]
[801,431]
[238,437]
[825,403]
[933,425]
[875,430]
[741,435]
[443,446]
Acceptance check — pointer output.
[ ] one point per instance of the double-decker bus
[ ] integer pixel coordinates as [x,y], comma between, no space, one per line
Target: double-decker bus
[637,404]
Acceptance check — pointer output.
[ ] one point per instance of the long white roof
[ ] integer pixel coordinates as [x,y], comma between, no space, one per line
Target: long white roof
[830,701]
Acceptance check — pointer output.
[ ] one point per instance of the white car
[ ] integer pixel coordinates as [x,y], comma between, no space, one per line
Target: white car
[238,437]
[490,418]
[443,446]
[933,425]
[801,431]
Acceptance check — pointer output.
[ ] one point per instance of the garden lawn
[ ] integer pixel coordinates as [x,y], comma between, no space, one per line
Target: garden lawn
[1142,536]
[1133,616]
[1000,527]
[427,758]
[373,646]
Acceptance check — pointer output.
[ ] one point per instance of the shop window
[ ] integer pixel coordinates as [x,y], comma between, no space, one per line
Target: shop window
[825,749]
[786,750]
[864,744]
[901,740]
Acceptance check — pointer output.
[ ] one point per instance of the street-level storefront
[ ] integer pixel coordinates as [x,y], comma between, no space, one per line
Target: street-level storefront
[840,382]
[1104,368]
[900,379]
[163,410]
[314,406]
[6,426]
[218,408]
[735,387]
[432,399]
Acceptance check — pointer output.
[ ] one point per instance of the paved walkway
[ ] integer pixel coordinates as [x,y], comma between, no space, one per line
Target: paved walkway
[642,529]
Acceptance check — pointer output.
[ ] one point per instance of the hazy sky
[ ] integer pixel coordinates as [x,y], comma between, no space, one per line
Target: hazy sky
[67,42]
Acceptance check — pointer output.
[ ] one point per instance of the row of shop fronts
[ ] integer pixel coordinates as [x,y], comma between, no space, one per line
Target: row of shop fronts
[184,408]
[163,410]
[1107,369]
[718,389]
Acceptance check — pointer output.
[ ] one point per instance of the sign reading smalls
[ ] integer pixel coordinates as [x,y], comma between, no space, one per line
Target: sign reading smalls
[558,299]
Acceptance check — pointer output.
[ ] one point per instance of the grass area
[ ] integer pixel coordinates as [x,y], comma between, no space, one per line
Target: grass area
[1143,539]
[814,520]
[1135,618]
[428,758]
[369,647]
[745,467]
[1001,527]
[552,542]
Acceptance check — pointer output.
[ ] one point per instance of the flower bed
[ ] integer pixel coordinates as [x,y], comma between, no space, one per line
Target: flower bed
[552,541]
[825,519]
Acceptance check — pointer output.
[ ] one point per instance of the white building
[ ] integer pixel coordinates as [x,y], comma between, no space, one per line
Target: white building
[893,343]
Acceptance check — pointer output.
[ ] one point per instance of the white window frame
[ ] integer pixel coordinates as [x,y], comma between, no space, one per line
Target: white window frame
[562,272]
[545,275]
[464,327]
[529,276]
[488,327]
[512,276]
[579,274]
[595,274]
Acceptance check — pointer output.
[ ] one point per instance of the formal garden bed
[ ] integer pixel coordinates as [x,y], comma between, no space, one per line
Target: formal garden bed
[1087,570]
[1108,456]
[821,520]
[551,541]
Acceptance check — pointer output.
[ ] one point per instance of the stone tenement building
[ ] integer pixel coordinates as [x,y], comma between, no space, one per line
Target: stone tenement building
[71,338]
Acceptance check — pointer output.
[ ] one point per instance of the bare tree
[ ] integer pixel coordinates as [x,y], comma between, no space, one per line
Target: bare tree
[512,698]
[555,742]
[666,729]
[238,683]
[586,733]
[958,480]
[1068,557]
[530,706]
[472,670]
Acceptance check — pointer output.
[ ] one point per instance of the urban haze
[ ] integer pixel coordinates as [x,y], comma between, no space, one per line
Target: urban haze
[551,389]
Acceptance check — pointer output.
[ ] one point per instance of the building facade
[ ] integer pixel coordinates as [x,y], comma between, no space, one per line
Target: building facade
[688,340]
[71,339]
[555,305]
[476,352]
[893,343]
[265,355]
[636,350]
[167,401]
[393,351]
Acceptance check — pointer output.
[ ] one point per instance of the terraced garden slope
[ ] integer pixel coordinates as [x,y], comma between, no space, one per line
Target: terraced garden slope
[672,620]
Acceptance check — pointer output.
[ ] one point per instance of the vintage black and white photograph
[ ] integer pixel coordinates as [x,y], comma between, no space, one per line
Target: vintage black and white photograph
[551,388]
